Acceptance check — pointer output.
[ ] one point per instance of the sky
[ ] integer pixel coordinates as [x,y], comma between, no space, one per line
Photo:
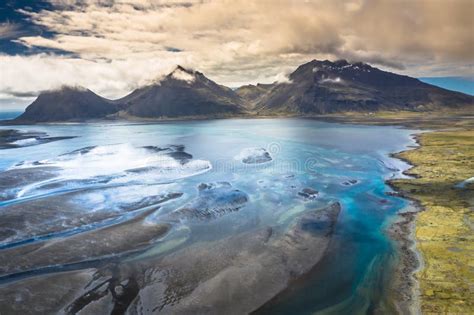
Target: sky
[112,47]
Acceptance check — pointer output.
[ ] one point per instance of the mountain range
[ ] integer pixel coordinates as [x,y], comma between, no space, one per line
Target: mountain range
[314,88]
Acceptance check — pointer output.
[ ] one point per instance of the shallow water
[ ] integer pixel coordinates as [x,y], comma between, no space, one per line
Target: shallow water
[112,173]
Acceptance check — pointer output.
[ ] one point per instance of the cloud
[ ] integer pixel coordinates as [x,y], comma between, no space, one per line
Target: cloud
[28,75]
[430,28]
[9,30]
[123,43]
[336,80]
[283,77]
[182,75]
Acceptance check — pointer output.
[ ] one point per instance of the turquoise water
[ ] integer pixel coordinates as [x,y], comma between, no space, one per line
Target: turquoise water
[4,115]
[344,163]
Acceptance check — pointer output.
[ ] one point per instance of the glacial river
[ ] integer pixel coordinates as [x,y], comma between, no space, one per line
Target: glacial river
[147,218]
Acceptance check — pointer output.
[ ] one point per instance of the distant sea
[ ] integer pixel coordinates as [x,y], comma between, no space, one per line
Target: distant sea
[9,114]
[459,84]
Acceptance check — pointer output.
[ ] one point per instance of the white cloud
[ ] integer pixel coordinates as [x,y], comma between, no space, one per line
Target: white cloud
[336,80]
[179,74]
[31,74]
[282,77]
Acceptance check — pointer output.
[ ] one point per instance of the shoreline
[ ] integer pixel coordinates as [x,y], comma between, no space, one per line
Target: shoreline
[428,120]
[404,286]
[435,228]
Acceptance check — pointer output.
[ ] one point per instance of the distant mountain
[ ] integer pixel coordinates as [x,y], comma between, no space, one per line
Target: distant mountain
[321,87]
[182,93]
[317,87]
[252,94]
[67,104]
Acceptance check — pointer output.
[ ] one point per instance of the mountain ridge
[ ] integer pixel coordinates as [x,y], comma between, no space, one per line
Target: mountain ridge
[183,92]
[68,103]
[324,87]
[314,88]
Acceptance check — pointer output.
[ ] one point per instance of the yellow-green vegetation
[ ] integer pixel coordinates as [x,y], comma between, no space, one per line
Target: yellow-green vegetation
[416,120]
[444,230]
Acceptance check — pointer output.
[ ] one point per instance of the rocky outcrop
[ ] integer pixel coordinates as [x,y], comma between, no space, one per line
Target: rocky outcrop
[308,193]
[254,156]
